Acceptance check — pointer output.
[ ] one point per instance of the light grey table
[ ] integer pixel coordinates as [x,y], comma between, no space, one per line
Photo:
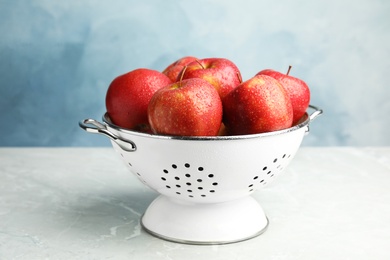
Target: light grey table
[83,203]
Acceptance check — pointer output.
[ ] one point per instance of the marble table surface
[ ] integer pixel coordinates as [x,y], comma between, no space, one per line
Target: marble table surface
[83,203]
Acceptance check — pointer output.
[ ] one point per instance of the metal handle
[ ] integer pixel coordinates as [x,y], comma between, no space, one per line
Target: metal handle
[317,111]
[95,127]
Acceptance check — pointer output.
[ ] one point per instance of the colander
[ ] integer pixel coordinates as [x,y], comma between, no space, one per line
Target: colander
[204,183]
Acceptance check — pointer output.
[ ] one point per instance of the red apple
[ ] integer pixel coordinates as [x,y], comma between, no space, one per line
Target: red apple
[222,73]
[189,107]
[258,105]
[174,69]
[297,89]
[128,96]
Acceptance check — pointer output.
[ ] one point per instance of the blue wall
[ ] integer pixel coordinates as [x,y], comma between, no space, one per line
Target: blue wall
[57,59]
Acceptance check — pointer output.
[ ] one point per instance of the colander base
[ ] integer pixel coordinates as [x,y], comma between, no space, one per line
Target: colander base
[205,224]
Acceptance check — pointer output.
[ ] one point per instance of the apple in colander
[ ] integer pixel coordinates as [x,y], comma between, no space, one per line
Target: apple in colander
[222,73]
[190,107]
[128,97]
[173,70]
[296,88]
[258,105]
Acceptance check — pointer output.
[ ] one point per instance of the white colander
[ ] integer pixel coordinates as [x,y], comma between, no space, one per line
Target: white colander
[205,182]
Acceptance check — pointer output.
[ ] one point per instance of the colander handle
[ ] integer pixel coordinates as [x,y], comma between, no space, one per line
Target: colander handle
[95,127]
[317,111]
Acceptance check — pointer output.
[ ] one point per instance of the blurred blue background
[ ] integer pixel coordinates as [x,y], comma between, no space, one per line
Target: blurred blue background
[57,59]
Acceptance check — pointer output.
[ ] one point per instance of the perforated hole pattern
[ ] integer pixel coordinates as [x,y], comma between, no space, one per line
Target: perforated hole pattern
[271,170]
[199,182]
[195,182]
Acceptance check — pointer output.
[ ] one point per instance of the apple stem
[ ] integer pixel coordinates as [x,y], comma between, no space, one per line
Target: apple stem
[182,75]
[289,68]
[239,77]
[200,63]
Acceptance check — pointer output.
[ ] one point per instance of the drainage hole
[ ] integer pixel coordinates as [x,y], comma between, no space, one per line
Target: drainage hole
[178,193]
[211,175]
[203,195]
[199,180]
[188,183]
[200,169]
[212,191]
[275,160]
[177,178]
[250,186]
[187,165]
[265,168]
[200,188]
[177,185]
[189,190]
[187,175]
[165,171]
[168,186]
[215,183]
[256,177]
[174,166]
[162,178]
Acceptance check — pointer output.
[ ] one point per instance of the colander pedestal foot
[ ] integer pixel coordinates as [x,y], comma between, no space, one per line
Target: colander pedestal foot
[204,223]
